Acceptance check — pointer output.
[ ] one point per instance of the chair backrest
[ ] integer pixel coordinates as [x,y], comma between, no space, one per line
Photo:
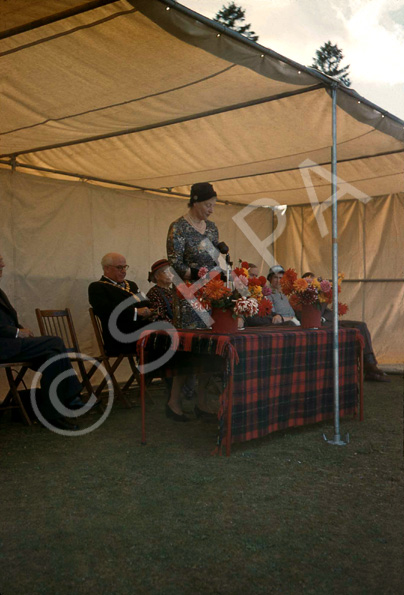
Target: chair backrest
[95,321]
[58,323]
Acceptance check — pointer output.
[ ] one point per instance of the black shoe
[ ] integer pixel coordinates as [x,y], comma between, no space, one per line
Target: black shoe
[373,377]
[77,403]
[175,416]
[201,414]
[63,424]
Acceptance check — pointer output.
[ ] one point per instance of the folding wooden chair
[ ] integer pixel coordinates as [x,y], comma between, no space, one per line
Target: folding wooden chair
[111,369]
[59,323]
[13,399]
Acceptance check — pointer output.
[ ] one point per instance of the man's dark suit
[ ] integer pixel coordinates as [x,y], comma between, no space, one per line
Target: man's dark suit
[36,350]
[368,354]
[104,296]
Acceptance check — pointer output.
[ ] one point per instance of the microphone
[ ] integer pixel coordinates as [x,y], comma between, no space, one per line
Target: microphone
[222,247]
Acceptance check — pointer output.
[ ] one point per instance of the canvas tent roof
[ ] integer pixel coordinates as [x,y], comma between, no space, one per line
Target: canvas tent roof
[144,97]
[148,93]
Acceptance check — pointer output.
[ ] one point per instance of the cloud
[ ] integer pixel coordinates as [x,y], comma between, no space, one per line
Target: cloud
[369,32]
[375,42]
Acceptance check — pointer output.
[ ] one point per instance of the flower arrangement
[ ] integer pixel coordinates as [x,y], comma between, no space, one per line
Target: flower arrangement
[248,296]
[310,291]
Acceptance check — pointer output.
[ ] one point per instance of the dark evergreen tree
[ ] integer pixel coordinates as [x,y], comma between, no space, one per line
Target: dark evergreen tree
[230,14]
[328,60]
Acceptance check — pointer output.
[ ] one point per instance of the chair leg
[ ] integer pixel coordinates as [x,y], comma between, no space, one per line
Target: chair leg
[117,389]
[110,372]
[136,376]
[85,379]
[128,383]
[13,384]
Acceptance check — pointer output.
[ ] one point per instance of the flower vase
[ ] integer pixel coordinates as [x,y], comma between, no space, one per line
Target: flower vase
[310,316]
[224,322]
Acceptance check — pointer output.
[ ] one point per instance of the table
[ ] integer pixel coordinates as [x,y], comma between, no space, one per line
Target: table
[276,377]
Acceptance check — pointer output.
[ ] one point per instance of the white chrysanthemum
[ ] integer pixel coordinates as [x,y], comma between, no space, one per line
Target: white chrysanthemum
[246,306]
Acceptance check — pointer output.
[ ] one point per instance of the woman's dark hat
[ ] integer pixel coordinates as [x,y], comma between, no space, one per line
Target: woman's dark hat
[159,264]
[201,192]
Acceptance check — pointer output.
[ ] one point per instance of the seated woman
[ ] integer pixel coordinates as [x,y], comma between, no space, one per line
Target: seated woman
[161,302]
[161,296]
[282,310]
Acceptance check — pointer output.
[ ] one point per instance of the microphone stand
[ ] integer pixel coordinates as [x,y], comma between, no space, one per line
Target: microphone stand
[229,265]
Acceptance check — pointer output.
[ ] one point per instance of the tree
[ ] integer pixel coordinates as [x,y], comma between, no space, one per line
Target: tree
[230,14]
[328,60]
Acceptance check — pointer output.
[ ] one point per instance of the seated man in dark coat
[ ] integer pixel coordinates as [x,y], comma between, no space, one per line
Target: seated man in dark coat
[19,344]
[106,297]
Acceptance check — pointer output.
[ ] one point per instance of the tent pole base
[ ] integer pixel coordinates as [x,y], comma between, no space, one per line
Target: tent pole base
[336,441]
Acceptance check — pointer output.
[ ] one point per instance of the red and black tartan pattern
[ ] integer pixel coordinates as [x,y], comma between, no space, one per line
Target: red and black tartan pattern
[282,377]
[286,379]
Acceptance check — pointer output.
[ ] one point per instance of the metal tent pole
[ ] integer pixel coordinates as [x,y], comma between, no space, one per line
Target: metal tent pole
[337,439]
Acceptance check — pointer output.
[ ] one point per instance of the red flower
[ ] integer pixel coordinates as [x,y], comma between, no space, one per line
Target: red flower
[183,291]
[245,265]
[265,307]
[238,271]
[342,309]
[262,280]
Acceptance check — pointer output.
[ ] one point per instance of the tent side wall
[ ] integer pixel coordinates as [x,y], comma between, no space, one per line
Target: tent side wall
[54,234]
[371,237]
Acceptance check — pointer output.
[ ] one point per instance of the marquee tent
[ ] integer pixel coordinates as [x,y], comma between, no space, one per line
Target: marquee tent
[129,102]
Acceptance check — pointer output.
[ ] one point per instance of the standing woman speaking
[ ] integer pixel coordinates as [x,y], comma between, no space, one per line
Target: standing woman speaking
[189,247]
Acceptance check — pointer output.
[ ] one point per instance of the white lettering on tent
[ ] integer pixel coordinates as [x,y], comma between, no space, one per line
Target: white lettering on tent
[261,246]
[306,167]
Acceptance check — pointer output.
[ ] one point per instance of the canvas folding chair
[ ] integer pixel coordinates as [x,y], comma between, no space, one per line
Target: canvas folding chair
[112,368]
[59,323]
[13,399]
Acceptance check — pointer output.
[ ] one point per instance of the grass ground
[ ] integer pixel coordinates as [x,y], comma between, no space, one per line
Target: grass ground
[286,514]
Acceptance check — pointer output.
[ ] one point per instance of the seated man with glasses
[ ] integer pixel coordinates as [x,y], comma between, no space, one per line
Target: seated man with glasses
[106,297]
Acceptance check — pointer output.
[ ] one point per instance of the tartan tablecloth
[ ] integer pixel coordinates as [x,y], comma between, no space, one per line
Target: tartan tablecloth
[281,377]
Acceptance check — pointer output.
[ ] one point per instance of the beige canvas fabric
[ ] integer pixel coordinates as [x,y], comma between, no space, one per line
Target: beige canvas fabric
[54,234]
[370,248]
[132,93]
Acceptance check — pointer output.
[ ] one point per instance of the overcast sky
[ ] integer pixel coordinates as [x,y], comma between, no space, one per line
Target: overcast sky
[369,32]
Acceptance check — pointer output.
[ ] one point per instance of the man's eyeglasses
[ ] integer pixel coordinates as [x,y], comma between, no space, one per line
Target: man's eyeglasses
[120,267]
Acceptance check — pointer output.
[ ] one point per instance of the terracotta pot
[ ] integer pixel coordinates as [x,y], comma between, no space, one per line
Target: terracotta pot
[310,317]
[223,321]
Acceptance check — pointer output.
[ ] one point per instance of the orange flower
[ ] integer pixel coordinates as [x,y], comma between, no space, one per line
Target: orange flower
[294,301]
[300,285]
[287,281]
[256,292]
[215,290]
